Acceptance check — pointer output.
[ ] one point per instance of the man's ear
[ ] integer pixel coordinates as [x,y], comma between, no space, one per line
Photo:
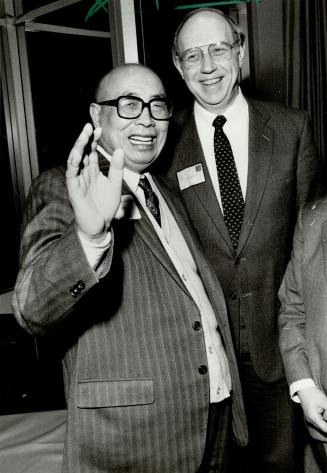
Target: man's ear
[177,63]
[95,110]
[241,55]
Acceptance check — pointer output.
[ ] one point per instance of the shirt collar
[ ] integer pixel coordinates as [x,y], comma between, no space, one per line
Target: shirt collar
[130,177]
[230,113]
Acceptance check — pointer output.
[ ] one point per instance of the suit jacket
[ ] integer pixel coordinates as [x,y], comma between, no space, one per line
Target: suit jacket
[136,398]
[283,173]
[303,315]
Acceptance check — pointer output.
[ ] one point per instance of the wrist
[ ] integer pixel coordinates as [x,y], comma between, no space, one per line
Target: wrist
[96,239]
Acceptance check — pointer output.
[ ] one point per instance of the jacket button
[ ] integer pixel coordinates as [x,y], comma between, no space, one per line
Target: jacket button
[74,291]
[81,285]
[203,369]
[196,325]
[233,296]
[238,260]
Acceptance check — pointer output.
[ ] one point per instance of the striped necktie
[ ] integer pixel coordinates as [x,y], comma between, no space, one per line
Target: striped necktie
[151,199]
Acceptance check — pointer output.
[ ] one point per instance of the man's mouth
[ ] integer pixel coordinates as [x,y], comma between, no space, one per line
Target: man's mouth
[210,82]
[142,140]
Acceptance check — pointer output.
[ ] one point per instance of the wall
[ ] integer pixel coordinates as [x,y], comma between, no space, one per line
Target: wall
[265,30]
[5,302]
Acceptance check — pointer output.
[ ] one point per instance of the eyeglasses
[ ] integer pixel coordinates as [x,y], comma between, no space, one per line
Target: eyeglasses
[132,107]
[192,57]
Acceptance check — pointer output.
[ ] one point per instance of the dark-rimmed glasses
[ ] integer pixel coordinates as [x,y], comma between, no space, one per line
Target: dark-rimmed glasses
[131,107]
[193,56]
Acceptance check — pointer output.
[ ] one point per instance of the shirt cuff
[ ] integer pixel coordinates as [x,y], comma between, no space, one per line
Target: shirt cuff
[300,384]
[94,251]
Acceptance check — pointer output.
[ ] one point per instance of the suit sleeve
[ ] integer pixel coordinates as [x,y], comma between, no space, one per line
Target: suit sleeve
[310,178]
[292,319]
[54,271]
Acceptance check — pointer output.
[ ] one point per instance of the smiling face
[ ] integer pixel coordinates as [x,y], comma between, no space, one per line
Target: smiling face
[140,138]
[213,82]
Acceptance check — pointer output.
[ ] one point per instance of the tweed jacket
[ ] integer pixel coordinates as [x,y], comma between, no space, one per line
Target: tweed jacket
[283,172]
[137,400]
[303,296]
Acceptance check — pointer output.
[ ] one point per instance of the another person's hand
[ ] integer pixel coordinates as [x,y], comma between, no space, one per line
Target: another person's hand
[95,198]
[314,405]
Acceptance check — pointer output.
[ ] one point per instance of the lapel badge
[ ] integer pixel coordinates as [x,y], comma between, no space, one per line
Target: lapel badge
[190,176]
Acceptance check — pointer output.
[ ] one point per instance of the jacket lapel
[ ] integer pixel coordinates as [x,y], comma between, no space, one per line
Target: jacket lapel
[145,230]
[211,284]
[261,138]
[189,151]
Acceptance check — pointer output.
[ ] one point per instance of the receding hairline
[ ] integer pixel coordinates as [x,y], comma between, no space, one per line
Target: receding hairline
[235,29]
[102,86]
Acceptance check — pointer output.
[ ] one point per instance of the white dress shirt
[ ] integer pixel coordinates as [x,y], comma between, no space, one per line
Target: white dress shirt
[236,129]
[180,255]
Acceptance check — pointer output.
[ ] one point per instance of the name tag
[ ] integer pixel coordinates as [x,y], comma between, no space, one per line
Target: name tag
[127,208]
[190,176]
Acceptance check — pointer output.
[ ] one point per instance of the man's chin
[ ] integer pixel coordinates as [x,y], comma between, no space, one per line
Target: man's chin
[139,164]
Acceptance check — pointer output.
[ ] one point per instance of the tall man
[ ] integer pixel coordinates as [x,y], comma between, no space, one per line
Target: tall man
[244,168]
[150,373]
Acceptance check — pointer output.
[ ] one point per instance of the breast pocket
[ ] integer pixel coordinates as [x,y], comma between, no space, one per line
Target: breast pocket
[115,392]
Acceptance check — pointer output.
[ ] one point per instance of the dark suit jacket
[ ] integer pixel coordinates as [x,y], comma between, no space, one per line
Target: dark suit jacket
[303,296]
[283,172]
[136,398]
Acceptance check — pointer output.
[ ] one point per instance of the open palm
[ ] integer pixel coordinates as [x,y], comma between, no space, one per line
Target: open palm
[94,197]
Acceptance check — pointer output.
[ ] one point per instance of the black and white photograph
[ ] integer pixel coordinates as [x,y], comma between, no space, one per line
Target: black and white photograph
[163,293]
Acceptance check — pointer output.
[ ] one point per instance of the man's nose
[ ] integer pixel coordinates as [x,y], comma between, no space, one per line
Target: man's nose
[145,118]
[207,63]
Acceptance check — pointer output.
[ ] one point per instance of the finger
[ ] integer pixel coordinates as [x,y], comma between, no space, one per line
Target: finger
[93,165]
[321,424]
[116,166]
[76,155]
[96,136]
[315,416]
[86,161]
[93,156]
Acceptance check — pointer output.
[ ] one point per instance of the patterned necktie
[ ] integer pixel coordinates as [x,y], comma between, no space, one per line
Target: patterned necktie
[229,184]
[151,199]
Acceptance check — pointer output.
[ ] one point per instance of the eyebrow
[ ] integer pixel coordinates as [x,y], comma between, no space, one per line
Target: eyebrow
[220,43]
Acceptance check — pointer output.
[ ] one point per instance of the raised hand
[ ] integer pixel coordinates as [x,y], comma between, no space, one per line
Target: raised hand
[94,197]
[314,405]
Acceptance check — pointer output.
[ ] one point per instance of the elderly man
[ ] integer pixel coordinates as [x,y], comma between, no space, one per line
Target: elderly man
[243,167]
[109,262]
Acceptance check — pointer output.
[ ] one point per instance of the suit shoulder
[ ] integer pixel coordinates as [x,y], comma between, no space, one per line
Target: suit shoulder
[48,186]
[275,107]
[51,175]
[180,117]
[278,113]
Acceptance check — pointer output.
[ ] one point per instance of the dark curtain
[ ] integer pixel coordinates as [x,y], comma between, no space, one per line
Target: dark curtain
[305,34]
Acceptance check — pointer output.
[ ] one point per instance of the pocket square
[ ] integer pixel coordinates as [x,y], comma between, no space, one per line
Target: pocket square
[190,176]
[127,208]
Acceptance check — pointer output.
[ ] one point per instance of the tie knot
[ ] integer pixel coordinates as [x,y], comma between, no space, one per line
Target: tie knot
[219,121]
[145,185]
